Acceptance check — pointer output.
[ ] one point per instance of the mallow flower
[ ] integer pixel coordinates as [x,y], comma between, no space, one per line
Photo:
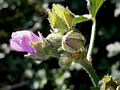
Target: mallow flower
[22,41]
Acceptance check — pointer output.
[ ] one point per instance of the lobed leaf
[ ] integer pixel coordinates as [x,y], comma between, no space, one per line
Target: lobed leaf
[64,13]
[60,18]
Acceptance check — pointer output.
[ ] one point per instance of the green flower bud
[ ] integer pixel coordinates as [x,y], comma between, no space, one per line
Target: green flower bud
[60,18]
[54,39]
[73,42]
[66,59]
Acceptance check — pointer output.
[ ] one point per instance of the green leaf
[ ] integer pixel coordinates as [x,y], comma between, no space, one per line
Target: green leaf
[64,13]
[60,18]
[81,18]
[94,6]
[56,22]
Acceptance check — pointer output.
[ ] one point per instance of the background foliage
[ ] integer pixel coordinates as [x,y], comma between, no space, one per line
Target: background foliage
[17,72]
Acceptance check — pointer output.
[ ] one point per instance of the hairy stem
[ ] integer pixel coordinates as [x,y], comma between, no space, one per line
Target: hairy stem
[92,38]
[87,66]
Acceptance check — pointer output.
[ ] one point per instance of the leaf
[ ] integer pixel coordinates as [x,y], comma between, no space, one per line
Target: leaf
[64,14]
[68,17]
[59,24]
[55,21]
[81,18]
[94,6]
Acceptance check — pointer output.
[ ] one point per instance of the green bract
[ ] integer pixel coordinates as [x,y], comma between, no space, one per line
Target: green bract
[43,51]
[60,18]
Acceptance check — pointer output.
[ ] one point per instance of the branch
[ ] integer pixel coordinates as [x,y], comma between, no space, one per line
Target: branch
[92,38]
[90,70]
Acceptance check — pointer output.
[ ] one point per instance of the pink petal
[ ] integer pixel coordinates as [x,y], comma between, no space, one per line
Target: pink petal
[21,41]
[35,38]
[25,43]
[15,46]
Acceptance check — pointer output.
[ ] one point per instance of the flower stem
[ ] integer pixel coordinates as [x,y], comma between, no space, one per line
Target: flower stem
[87,66]
[92,38]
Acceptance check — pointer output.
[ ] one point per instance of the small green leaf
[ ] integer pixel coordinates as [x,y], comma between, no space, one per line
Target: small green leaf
[94,6]
[81,18]
[56,22]
[60,18]
[64,13]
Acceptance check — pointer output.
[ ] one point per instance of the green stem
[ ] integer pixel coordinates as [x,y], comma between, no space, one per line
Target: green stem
[90,70]
[92,38]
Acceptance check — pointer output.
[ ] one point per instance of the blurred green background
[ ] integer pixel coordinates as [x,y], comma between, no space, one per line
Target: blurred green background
[17,72]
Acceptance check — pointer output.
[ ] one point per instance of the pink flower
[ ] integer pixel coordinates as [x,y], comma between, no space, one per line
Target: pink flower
[21,41]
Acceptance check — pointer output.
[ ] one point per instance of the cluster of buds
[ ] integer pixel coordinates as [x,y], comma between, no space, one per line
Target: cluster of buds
[72,41]
[64,42]
[73,46]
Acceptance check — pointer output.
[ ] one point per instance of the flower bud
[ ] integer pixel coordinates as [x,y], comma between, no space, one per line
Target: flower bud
[54,39]
[66,59]
[73,42]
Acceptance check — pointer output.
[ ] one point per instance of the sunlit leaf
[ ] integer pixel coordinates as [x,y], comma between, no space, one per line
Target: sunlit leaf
[56,22]
[94,6]
[64,13]
[81,18]
[60,18]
